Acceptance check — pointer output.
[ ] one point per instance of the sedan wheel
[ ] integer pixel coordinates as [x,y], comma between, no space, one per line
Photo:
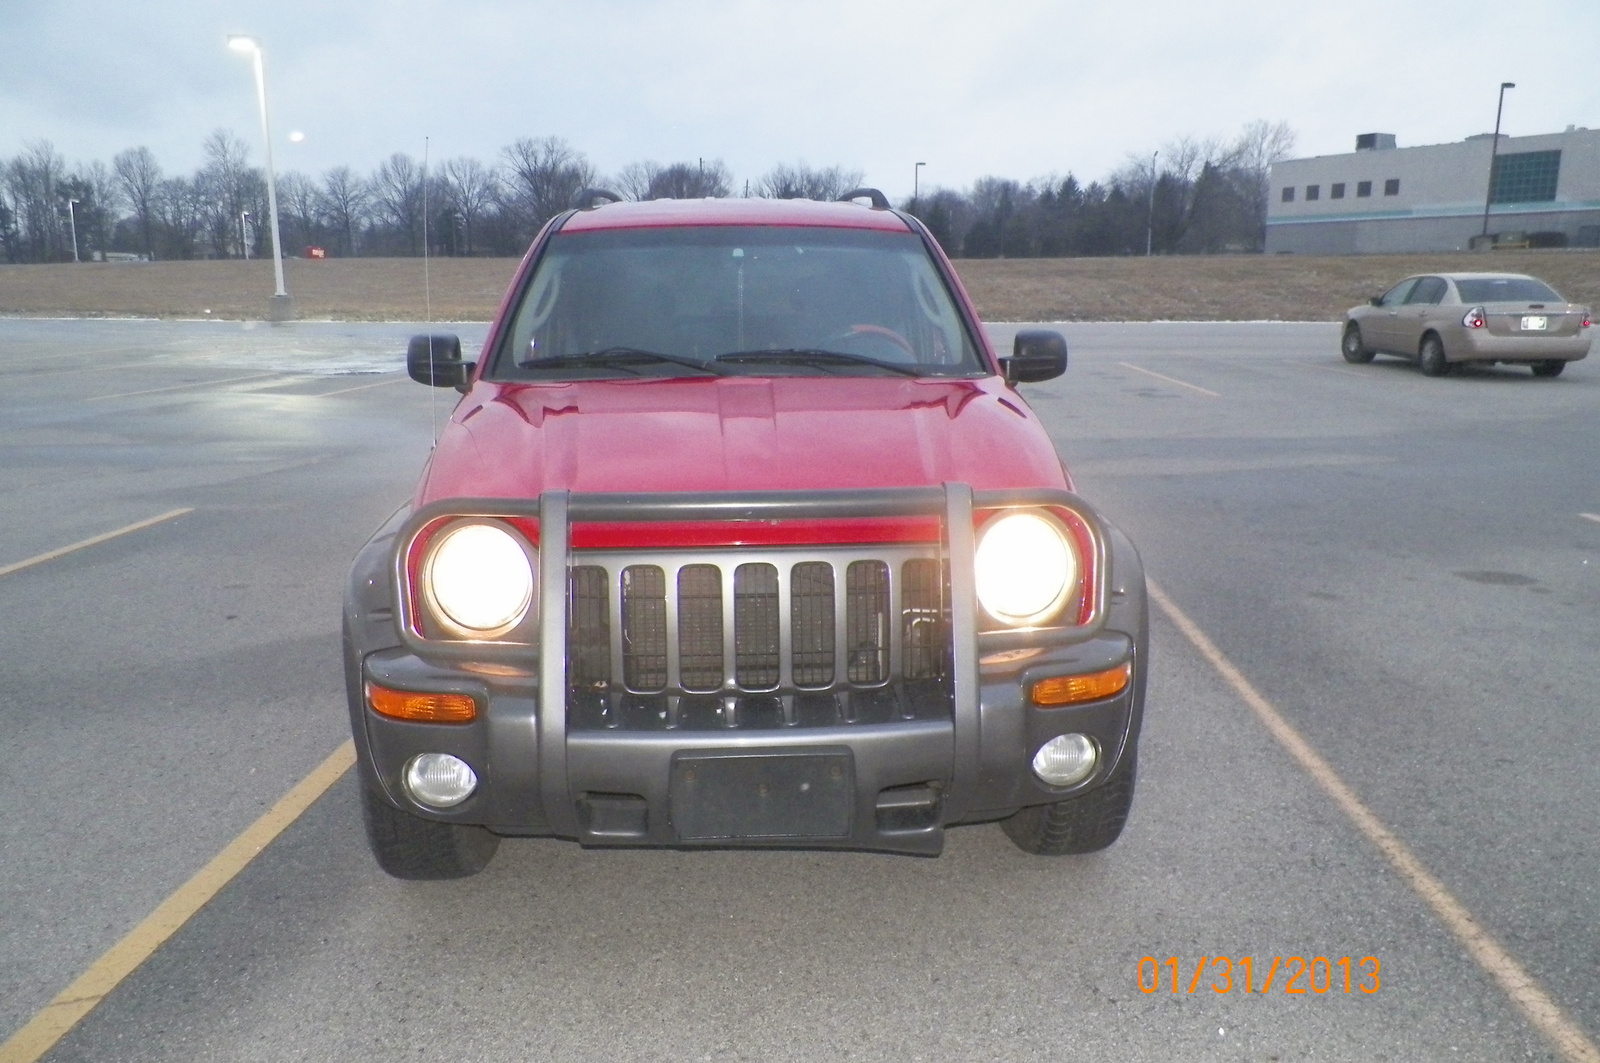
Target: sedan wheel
[1431,356]
[1551,367]
[1354,351]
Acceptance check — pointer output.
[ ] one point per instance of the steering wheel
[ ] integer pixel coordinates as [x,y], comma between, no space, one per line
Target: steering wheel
[878,335]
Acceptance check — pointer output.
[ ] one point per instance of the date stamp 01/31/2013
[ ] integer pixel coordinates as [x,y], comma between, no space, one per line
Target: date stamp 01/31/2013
[1245,974]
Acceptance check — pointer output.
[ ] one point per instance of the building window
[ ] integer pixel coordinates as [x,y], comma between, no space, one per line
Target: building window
[1391,187]
[1337,192]
[1525,177]
[1313,192]
[1288,194]
[1363,189]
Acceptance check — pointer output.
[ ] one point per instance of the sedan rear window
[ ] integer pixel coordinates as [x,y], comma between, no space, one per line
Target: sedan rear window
[735,299]
[1506,290]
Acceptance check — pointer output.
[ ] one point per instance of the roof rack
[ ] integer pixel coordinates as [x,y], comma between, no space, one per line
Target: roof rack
[585,199]
[879,200]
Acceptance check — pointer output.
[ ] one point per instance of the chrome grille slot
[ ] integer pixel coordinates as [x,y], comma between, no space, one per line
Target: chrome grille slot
[867,622]
[745,638]
[755,626]
[700,627]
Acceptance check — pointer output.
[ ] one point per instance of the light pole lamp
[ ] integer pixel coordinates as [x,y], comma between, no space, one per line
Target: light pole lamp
[1150,214]
[281,308]
[916,186]
[72,220]
[1494,151]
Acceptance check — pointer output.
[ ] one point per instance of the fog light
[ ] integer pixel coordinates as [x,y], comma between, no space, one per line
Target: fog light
[440,780]
[1066,760]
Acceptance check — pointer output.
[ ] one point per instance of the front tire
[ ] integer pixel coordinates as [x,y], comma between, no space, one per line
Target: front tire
[1350,345]
[1083,824]
[1550,367]
[411,847]
[1430,356]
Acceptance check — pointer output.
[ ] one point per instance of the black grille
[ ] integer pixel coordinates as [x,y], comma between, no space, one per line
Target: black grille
[877,652]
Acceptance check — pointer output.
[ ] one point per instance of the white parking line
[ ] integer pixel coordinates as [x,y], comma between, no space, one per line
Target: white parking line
[362,387]
[1329,369]
[1171,380]
[1527,995]
[1591,516]
[180,387]
[51,555]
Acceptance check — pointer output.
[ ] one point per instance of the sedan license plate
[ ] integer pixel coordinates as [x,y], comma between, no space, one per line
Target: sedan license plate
[1535,323]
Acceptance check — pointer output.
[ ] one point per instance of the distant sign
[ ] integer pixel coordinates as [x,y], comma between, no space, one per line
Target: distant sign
[316,252]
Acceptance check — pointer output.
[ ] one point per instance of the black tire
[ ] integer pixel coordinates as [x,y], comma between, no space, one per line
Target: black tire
[411,847]
[1430,356]
[1355,352]
[1550,367]
[1083,824]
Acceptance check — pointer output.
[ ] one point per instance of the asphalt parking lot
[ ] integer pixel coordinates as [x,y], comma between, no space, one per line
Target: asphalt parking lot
[1403,571]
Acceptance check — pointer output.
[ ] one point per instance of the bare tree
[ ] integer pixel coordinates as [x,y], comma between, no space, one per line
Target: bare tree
[34,180]
[1260,144]
[542,178]
[140,177]
[799,181]
[470,188]
[345,199]
[633,180]
[230,187]
[397,193]
[180,206]
[300,203]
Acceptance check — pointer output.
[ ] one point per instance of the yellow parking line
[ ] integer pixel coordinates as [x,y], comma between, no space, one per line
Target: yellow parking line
[51,555]
[70,1005]
[362,387]
[180,387]
[1530,998]
[1171,380]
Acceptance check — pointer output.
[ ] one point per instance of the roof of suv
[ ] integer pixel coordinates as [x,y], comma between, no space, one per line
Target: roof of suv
[657,213]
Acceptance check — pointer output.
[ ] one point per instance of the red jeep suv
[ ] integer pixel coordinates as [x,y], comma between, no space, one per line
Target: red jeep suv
[741,535]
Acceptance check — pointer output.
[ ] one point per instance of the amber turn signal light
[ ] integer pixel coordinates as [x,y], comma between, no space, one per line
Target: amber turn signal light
[1072,689]
[422,708]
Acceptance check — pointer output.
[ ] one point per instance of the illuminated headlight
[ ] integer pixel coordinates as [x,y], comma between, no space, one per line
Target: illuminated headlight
[439,780]
[478,580]
[1026,567]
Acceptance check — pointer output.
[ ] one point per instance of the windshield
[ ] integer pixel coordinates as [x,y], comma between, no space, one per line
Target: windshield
[764,300]
[1506,290]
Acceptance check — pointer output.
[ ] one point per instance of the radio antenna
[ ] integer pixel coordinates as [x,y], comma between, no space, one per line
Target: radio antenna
[427,294]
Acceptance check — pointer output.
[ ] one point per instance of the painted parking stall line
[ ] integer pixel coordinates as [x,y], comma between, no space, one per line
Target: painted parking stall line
[1571,1042]
[1591,516]
[363,387]
[69,1007]
[180,387]
[51,555]
[1171,380]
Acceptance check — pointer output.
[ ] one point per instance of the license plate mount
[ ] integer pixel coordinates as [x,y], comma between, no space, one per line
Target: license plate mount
[741,796]
[1535,323]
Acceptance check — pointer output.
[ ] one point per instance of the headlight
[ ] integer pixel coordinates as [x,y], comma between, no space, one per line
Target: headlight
[1026,568]
[478,579]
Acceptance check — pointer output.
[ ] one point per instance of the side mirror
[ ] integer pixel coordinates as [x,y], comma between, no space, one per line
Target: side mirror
[436,360]
[1036,354]
[1376,300]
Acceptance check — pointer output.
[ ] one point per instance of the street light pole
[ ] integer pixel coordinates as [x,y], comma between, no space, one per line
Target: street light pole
[72,219]
[281,308]
[1494,151]
[244,234]
[1150,216]
[916,186]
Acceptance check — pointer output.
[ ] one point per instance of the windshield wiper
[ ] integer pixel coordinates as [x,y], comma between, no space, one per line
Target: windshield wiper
[812,357]
[624,358]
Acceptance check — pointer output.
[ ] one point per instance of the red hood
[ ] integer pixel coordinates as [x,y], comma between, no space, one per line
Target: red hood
[738,434]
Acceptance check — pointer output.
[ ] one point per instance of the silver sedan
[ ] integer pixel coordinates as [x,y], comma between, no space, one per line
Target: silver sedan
[1445,319]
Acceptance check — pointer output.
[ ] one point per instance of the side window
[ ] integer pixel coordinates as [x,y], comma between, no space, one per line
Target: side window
[1428,290]
[1397,295]
[1363,189]
[1337,192]
[1288,194]
[1313,192]
[1391,187]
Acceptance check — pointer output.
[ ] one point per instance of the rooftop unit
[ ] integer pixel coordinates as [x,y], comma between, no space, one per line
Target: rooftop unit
[1374,141]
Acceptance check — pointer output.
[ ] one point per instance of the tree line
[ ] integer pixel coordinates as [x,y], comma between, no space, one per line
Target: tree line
[1191,196]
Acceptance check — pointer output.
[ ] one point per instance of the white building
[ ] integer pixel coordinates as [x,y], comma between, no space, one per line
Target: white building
[1382,199]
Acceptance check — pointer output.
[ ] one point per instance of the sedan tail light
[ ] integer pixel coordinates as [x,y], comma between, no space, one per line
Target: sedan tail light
[1586,321]
[1474,318]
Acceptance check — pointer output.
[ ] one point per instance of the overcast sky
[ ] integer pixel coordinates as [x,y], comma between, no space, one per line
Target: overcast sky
[1016,88]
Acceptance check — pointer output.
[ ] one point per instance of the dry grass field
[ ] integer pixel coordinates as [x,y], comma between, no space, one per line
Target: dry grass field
[1199,288]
